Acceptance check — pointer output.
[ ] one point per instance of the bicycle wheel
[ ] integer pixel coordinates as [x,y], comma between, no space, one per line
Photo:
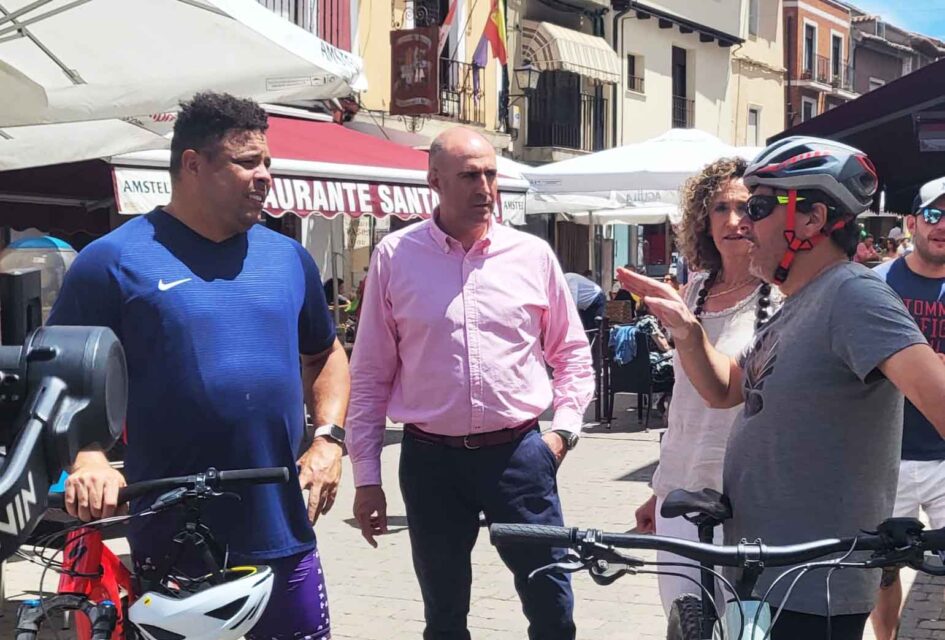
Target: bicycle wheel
[685,619]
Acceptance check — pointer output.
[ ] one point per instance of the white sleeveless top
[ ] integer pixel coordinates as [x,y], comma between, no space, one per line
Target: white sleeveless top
[693,447]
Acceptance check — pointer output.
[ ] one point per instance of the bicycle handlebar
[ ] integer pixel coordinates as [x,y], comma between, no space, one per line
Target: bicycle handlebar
[723,556]
[216,480]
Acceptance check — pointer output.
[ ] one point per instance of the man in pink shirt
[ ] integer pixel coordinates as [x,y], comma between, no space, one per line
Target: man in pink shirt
[460,317]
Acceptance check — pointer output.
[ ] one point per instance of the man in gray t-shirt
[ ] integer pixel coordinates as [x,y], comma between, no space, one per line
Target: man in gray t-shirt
[815,451]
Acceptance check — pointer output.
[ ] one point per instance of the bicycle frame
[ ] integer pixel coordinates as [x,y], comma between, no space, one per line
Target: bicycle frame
[86,554]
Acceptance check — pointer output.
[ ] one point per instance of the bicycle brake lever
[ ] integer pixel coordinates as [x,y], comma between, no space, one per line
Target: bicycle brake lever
[608,575]
[169,499]
[572,565]
[609,565]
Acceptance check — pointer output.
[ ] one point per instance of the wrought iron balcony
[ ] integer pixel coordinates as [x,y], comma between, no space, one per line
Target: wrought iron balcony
[816,70]
[683,112]
[461,92]
[842,77]
[568,120]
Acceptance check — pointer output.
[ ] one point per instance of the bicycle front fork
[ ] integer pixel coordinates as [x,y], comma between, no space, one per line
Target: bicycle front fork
[31,614]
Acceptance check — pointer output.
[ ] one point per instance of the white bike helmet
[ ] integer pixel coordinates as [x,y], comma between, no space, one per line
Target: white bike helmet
[222,612]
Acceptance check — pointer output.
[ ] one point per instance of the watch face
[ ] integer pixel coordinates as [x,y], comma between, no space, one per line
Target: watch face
[570,439]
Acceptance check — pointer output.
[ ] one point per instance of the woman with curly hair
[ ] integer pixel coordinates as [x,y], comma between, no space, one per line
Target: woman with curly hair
[731,303]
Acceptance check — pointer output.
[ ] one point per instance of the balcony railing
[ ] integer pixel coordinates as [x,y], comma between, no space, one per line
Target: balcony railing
[635,83]
[461,94]
[553,124]
[816,70]
[683,112]
[842,78]
[298,12]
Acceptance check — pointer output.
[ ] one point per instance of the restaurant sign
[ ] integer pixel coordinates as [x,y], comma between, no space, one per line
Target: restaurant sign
[415,77]
[141,190]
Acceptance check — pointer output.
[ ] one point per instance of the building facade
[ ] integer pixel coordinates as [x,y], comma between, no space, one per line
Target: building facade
[568,112]
[676,58]
[817,44]
[756,91]
[883,52]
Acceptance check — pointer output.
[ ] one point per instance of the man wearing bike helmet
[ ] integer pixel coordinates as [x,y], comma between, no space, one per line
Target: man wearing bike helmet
[919,278]
[815,450]
[214,312]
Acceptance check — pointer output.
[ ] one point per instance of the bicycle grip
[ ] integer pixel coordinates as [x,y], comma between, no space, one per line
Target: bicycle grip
[534,533]
[56,501]
[934,539]
[268,475]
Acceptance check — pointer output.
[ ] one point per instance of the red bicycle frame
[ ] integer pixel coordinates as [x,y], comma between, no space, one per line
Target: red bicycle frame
[85,553]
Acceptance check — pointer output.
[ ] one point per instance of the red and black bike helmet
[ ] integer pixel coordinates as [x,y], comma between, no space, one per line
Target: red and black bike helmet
[801,163]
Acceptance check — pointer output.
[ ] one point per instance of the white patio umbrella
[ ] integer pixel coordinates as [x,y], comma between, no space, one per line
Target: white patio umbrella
[75,60]
[636,174]
[46,144]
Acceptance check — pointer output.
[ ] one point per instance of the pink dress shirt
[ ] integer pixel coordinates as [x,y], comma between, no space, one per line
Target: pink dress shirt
[457,342]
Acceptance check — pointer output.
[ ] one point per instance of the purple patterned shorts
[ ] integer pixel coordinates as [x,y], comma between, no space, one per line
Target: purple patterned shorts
[298,606]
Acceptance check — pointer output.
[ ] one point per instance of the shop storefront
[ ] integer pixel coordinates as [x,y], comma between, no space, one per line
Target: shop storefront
[335,190]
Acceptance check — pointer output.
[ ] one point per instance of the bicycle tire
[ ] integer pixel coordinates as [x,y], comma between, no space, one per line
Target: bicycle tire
[685,619]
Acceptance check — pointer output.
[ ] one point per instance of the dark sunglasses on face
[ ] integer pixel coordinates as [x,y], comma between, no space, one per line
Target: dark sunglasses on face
[931,215]
[760,207]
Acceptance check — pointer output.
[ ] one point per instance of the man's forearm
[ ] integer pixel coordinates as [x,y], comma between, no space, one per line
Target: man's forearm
[328,385]
[713,374]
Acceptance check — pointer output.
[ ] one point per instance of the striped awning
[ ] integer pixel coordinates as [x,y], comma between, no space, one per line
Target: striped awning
[551,47]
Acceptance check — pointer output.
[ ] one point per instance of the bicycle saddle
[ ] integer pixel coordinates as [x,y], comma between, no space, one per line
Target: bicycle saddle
[707,502]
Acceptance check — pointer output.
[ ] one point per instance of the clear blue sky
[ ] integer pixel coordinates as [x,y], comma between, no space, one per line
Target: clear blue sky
[921,16]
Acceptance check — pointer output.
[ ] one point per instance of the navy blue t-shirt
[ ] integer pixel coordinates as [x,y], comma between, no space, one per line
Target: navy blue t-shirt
[925,300]
[212,333]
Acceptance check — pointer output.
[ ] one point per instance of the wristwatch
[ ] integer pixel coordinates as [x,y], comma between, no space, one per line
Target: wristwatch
[331,431]
[570,438]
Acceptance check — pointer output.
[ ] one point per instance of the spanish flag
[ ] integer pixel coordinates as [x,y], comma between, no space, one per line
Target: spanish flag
[495,31]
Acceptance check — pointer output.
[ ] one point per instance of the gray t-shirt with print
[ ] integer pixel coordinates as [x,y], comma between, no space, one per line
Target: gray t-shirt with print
[815,451]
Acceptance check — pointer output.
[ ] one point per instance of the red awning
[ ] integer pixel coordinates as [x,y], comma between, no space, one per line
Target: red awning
[294,139]
[318,168]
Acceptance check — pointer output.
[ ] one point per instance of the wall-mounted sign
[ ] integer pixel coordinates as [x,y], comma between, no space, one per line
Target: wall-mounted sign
[415,72]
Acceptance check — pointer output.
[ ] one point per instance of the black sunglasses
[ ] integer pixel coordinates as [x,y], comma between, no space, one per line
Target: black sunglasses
[931,215]
[760,207]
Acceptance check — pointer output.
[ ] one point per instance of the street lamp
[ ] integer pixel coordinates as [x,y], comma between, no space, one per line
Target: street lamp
[526,77]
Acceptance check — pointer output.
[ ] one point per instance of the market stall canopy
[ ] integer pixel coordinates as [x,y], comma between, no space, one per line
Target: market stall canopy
[646,172]
[900,126]
[551,47]
[74,60]
[319,168]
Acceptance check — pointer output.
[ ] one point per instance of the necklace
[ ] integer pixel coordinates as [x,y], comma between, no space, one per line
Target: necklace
[730,290]
[764,299]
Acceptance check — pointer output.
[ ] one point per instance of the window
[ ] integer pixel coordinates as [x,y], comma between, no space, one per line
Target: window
[753,17]
[683,107]
[635,73]
[906,66]
[876,83]
[836,55]
[808,109]
[810,48]
[754,126]
[881,28]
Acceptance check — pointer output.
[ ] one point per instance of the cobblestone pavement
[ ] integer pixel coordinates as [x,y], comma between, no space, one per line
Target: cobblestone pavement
[374,593]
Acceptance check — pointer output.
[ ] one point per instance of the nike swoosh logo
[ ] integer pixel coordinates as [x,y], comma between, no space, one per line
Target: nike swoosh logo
[164,286]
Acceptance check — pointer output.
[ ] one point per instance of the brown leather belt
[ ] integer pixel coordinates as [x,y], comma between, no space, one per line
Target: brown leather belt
[473,440]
